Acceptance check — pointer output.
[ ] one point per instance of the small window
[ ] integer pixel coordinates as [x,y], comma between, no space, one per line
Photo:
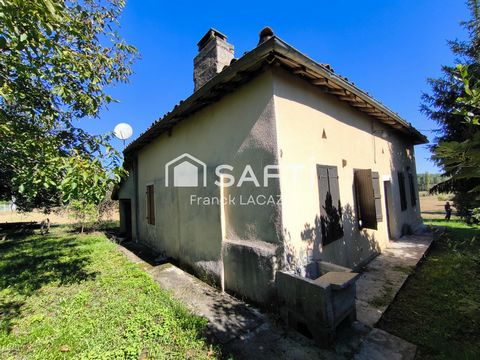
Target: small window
[403,195]
[150,205]
[367,198]
[413,193]
[331,222]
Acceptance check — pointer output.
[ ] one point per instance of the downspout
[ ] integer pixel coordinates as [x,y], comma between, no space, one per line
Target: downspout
[223,231]
[374,143]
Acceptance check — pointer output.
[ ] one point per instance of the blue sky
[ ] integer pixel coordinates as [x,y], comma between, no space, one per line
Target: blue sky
[388,48]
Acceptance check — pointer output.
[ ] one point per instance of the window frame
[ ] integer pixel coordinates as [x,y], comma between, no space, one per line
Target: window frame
[374,205]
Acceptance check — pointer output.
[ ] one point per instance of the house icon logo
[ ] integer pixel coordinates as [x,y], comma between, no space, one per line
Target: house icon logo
[187,171]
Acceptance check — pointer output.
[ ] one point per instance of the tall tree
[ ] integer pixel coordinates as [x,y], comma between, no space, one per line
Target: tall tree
[454,104]
[57,60]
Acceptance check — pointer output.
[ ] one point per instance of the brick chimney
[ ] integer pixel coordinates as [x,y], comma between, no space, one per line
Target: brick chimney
[214,53]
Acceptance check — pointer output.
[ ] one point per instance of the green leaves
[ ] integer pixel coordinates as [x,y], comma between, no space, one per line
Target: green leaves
[56,58]
[455,105]
[468,105]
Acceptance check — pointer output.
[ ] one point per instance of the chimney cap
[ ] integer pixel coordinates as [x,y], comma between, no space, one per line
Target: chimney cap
[211,34]
[265,34]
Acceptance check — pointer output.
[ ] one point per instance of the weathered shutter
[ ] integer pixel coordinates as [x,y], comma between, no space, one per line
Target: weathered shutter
[150,205]
[365,199]
[401,186]
[152,201]
[335,230]
[147,194]
[413,193]
[334,188]
[330,208]
[377,195]
[323,188]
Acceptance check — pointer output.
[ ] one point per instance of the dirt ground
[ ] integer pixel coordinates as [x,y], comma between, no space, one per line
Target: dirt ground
[433,208]
[56,217]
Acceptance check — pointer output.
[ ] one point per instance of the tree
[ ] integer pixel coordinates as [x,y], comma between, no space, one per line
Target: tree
[57,59]
[454,105]
[85,184]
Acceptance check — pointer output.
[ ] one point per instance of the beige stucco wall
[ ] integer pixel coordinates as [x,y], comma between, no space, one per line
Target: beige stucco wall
[303,112]
[238,130]
[276,118]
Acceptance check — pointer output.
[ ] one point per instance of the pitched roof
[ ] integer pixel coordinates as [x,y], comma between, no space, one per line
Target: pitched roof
[276,51]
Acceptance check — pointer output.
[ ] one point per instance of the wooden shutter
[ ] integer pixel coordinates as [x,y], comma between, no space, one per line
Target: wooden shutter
[151,205]
[323,188]
[331,222]
[148,203]
[401,186]
[334,188]
[364,194]
[413,193]
[377,195]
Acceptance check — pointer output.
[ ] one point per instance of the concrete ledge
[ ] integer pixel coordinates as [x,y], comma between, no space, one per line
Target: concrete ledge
[305,306]
[249,269]
[315,307]
[337,280]
[325,267]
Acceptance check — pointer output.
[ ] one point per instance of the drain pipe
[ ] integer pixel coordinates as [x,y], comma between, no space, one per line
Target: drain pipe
[223,232]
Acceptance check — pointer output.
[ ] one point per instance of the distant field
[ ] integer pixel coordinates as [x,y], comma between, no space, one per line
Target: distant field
[56,217]
[433,208]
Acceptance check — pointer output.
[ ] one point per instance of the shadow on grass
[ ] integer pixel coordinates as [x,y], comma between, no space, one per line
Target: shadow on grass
[457,228]
[9,310]
[28,262]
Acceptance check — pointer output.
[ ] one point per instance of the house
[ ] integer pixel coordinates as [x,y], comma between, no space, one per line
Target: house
[275,172]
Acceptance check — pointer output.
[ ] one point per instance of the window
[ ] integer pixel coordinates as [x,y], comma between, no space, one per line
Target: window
[150,205]
[331,223]
[368,198]
[413,193]
[401,186]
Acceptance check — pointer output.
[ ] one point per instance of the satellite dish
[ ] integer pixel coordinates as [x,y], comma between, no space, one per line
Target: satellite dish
[123,131]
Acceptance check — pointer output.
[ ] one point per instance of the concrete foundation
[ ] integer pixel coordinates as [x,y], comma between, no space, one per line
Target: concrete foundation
[256,262]
[317,307]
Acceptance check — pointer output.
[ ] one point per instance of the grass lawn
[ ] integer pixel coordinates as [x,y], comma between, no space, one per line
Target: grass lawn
[439,307]
[74,296]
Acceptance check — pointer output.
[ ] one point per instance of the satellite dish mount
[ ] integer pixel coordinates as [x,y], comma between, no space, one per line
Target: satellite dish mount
[123,131]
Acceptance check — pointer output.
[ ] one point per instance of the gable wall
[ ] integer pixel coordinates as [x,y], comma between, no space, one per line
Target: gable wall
[303,112]
[237,130]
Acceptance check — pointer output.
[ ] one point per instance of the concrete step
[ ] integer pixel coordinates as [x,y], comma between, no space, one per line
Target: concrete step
[380,345]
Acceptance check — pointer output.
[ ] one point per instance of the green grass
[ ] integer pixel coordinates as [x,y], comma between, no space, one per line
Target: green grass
[439,307]
[74,296]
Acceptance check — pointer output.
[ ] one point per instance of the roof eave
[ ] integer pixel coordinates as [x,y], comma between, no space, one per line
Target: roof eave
[352,94]
[270,50]
[201,96]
